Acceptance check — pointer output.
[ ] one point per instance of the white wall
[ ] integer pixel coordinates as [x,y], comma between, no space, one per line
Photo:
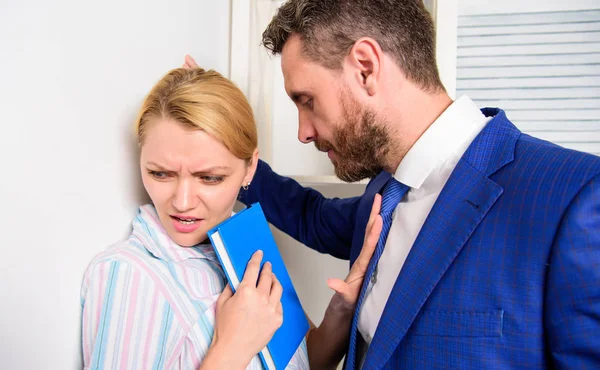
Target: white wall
[72,75]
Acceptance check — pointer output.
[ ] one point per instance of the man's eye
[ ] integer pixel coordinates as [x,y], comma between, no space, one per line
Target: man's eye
[308,103]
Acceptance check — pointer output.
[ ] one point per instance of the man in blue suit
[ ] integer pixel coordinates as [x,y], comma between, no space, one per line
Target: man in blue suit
[489,256]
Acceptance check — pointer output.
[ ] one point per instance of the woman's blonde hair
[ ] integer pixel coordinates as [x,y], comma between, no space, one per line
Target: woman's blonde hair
[203,100]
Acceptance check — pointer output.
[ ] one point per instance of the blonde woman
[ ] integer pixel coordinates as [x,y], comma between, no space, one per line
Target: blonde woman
[159,300]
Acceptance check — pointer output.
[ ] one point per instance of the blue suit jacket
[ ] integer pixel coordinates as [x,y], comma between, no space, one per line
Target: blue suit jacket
[505,272]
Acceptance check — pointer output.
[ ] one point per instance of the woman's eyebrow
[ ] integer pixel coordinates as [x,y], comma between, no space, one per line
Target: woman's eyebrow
[212,169]
[160,167]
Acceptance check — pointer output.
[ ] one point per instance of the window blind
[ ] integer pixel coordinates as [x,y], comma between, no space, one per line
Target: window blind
[542,68]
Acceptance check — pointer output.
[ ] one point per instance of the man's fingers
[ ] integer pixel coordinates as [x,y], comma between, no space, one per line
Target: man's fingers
[189,62]
[252,269]
[265,279]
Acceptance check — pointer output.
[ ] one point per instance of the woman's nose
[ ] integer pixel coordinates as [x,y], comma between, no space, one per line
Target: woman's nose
[184,197]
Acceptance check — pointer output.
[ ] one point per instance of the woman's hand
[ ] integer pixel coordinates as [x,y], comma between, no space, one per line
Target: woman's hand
[349,288]
[327,344]
[246,320]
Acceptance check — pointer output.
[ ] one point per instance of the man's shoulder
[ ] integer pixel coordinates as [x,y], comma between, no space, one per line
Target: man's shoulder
[547,172]
[538,154]
[541,154]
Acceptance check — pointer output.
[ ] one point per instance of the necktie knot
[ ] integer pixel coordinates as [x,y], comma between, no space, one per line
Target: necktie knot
[392,195]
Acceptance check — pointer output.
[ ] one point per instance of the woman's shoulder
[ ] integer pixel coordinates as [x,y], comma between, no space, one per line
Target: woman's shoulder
[120,256]
[123,252]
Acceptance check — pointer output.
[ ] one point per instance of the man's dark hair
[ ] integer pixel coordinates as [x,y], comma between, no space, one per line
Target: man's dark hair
[328,29]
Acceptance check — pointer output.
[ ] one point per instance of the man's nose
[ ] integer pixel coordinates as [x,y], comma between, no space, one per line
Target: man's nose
[306,130]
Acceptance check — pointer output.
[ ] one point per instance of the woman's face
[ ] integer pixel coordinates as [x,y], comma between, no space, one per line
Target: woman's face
[192,179]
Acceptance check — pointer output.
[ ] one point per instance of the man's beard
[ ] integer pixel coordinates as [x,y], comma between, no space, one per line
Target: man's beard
[362,143]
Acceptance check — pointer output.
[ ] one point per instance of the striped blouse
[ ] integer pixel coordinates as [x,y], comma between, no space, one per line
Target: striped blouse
[150,304]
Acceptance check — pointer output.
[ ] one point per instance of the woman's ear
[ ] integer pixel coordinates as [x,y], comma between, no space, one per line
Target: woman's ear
[251,170]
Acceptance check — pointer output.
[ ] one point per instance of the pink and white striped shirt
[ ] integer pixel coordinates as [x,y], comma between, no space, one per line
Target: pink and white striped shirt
[149,303]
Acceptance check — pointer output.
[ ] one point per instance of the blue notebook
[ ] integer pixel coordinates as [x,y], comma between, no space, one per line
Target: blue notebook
[235,240]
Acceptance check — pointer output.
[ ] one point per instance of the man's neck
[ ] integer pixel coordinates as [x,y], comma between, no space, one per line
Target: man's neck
[411,113]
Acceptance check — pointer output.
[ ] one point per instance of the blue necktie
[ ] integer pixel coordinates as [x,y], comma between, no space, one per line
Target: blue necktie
[393,193]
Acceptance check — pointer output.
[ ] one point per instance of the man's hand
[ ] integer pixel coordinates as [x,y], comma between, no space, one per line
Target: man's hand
[189,63]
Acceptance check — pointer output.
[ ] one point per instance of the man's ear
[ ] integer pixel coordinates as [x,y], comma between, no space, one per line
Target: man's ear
[365,59]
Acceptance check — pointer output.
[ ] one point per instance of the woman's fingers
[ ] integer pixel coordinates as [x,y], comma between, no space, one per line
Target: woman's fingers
[276,291]
[266,279]
[225,295]
[252,269]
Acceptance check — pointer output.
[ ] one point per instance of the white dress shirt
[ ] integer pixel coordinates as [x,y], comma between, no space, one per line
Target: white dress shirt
[425,169]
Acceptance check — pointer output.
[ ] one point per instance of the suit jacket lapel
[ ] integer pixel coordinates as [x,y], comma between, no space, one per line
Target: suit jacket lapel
[461,206]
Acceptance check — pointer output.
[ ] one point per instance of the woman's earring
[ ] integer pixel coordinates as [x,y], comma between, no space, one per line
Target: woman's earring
[245,187]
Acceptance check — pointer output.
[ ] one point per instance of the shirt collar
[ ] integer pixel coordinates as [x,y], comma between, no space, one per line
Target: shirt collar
[447,137]
[149,230]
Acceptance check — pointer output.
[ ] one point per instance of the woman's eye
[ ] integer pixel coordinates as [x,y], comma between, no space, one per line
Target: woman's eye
[212,179]
[160,175]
